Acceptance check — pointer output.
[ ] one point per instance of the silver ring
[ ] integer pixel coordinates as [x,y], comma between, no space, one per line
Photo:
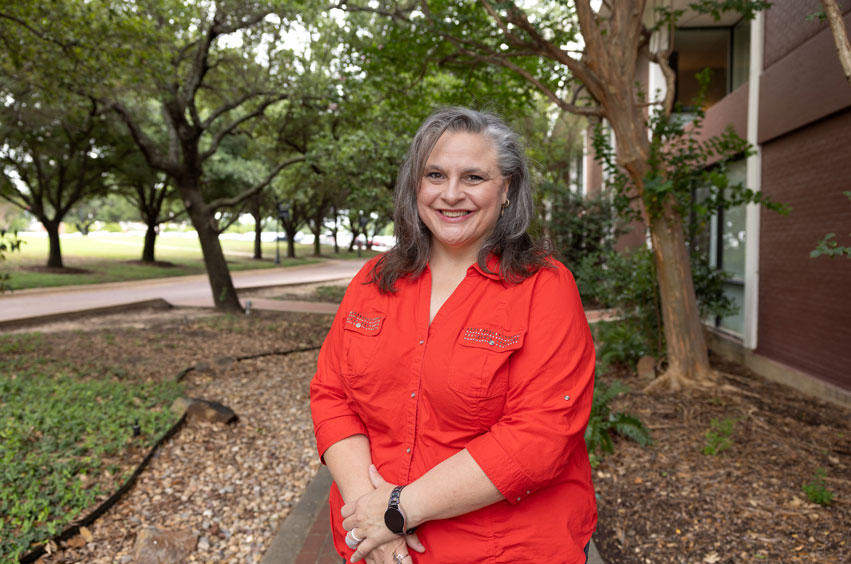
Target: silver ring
[400,558]
[352,541]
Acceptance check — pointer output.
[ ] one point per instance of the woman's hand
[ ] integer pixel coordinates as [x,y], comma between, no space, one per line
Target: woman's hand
[366,515]
[385,554]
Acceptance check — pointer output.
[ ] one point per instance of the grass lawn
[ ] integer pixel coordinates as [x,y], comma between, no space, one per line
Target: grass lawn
[112,257]
[65,429]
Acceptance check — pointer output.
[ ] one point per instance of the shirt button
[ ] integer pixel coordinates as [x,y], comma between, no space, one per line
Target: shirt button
[421,341]
[518,499]
[528,492]
[357,324]
[408,450]
[491,342]
[566,398]
[413,394]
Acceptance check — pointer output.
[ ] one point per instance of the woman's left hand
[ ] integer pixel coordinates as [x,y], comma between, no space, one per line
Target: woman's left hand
[366,514]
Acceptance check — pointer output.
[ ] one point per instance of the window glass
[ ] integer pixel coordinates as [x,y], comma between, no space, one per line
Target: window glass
[695,50]
[741,54]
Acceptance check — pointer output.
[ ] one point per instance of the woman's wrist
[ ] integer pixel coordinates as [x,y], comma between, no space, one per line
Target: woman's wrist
[409,505]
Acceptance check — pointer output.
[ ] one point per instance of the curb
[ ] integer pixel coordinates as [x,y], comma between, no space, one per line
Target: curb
[155,303]
[287,543]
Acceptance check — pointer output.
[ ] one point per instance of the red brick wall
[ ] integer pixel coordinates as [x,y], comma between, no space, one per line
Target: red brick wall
[787,27]
[804,303]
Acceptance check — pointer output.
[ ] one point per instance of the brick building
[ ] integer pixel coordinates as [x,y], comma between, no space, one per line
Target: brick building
[778,80]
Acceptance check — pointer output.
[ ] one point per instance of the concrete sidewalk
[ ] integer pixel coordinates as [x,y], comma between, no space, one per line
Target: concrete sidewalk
[191,291]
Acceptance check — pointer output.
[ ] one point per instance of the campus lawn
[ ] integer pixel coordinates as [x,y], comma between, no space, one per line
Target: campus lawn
[114,257]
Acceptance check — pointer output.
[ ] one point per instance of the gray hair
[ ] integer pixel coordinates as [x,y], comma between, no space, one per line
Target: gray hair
[509,239]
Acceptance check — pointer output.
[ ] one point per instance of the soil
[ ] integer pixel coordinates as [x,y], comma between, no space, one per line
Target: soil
[672,503]
[231,486]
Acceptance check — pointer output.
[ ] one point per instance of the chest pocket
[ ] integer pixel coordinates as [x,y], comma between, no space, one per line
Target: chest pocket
[360,340]
[479,367]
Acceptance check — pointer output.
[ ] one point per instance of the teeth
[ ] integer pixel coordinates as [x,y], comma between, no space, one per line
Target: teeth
[454,213]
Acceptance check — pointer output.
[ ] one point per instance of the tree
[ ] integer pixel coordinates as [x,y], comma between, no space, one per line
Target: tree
[55,153]
[840,34]
[595,76]
[125,54]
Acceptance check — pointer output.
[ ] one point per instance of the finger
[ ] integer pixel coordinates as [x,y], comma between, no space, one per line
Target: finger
[349,523]
[364,548]
[347,510]
[413,541]
[375,476]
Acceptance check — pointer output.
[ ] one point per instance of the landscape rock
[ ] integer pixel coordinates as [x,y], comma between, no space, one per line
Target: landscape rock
[158,546]
[646,368]
[206,410]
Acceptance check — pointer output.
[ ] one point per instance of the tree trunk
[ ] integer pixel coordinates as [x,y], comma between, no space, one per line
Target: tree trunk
[54,254]
[290,230]
[150,242]
[221,284]
[840,35]
[316,229]
[688,360]
[258,228]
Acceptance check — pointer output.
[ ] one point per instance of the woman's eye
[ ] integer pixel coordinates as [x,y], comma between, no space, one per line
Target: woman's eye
[474,178]
[433,175]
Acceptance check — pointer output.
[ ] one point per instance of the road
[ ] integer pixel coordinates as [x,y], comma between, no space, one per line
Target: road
[178,291]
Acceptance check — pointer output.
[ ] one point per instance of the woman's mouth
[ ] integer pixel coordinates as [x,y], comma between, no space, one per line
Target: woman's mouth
[454,213]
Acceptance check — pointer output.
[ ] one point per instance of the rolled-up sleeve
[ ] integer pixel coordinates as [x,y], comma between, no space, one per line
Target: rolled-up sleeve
[333,417]
[540,437]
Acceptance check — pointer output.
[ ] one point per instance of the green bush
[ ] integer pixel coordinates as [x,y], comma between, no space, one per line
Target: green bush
[9,243]
[603,423]
[719,436]
[816,489]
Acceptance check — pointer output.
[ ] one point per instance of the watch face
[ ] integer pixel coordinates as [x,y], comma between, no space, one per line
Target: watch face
[394,520]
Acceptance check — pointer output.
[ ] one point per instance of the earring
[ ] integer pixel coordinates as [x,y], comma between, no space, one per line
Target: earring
[505,205]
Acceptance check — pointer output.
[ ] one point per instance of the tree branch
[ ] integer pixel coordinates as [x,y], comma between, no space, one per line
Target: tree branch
[146,145]
[217,138]
[229,202]
[840,35]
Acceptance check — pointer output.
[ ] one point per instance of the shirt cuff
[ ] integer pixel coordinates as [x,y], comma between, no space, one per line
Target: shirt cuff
[501,468]
[337,429]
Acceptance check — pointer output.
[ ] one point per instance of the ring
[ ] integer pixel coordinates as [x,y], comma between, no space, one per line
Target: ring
[352,541]
[400,558]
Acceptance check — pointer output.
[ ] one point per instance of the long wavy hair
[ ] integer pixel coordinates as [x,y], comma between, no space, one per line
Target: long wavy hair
[520,256]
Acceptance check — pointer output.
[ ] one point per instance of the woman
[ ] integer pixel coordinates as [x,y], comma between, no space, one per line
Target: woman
[453,390]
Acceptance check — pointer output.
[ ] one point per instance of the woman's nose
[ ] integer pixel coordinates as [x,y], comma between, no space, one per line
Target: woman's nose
[454,191]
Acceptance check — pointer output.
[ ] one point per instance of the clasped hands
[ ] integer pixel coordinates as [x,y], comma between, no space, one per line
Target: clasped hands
[366,514]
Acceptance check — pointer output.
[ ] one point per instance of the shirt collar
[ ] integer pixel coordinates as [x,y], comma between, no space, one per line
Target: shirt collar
[492,264]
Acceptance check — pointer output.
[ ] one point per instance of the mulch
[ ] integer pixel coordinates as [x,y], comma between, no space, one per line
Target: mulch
[672,503]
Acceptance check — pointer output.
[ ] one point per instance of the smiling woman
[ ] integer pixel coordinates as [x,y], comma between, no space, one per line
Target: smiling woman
[453,390]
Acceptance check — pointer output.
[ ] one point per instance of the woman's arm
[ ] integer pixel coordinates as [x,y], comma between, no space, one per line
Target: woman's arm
[454,487]
[348,461]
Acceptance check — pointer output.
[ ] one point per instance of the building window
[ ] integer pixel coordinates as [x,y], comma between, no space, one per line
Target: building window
[725,51]
[723,240]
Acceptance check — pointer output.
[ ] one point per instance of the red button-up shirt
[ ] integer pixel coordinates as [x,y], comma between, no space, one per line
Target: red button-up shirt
[505,371]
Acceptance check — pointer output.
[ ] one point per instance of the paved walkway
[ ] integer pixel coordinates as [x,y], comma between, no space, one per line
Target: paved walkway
[193,291]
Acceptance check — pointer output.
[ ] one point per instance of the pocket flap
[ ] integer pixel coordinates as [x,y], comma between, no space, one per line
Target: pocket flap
[495,340]
[365,325]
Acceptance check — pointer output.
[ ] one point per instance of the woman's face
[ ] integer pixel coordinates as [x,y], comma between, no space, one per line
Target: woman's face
[461,192]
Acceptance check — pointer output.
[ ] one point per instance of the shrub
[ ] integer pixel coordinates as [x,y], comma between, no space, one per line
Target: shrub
[718,437]
[602,422]
[816,489]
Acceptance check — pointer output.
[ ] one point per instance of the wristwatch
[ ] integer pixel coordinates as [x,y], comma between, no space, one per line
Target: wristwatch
[394,518]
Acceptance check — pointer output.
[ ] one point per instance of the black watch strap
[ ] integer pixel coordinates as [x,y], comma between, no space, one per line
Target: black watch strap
[394,518]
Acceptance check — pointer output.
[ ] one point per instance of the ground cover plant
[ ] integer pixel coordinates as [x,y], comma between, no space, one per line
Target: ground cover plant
[239,480]
[66,432]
